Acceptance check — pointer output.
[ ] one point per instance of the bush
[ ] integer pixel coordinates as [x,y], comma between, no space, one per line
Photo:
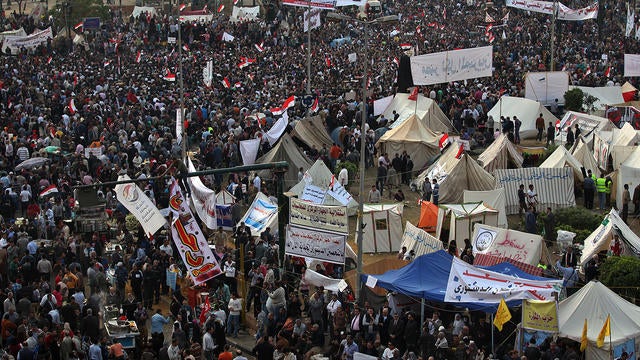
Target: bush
[620,271]
[352,169]
[578,218]
[573,100]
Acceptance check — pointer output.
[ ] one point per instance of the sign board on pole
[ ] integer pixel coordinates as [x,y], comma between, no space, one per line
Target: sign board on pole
[315,244]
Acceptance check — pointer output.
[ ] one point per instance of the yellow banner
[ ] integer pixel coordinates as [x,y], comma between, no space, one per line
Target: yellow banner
[540,315]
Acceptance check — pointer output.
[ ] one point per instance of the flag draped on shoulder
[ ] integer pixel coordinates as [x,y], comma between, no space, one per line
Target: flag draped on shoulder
[503,315]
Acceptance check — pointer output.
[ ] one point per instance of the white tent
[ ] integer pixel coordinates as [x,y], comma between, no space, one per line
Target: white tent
[420,241]
[628,173]
[261,214]
[620,154]
[320,175]
[553,186]
[494,198]
[424,108]
[520,246]
[382,228]
[560,158]
[605,95]
[594,302]
[313,132]
[584,156]
[546,86]
[285,150]
[501,154]
[456,171]
[600,239]
[463,217]
[588,125]
[526,110]
[605,141]
[414,137]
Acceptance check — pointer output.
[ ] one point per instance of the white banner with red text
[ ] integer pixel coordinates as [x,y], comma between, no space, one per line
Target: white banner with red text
[139,204]
[203,198]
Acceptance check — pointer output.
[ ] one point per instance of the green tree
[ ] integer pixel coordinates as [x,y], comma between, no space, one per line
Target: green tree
[77,10]
[573,100]
[620,271]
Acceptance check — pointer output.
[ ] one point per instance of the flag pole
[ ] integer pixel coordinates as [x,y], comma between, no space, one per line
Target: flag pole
[492,336]
[610,345]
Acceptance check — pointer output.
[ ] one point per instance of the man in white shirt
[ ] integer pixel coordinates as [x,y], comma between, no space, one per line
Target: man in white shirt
[374,195]
[257,182]
[208,345]
[230,274]
[343,177]
[166,247]
[235,306]
[333,306]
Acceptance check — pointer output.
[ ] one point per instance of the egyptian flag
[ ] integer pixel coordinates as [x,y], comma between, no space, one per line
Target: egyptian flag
[139,56]
[220,8]
[396,61]
[49,60]
[72,106]
[290,102]
[444,140]
[607,73]
[78,26]
[205,311]
[414,94]
[406,46]
[460,151]
[226,83]
[51,189]
[185,47]
[260,47]
[315,106]
[183,6]
[169,76]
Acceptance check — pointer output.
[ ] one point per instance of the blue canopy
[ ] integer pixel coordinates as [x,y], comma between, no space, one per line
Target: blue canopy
[426,278]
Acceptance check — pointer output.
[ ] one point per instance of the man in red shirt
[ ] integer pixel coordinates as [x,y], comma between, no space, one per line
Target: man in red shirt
[334,154]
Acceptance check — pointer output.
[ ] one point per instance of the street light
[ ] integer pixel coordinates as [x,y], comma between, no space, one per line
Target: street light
[381,20]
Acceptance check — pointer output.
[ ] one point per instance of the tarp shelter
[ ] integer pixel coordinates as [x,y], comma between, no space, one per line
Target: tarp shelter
[601,238]
[628,173]
[628,92]
[424,108]
[594,302]
[312,132]
[455,175]
[588,125]
[426,277]
[420,241]
[143,10]
[501,154]
[428,216]
[244,13]
[584,156]
[605,95]
[519,246]
[261,214]
[382,228]
[320,175]
[554,187]
[463,217]
[526,110]
[560,158]
[547,86]
[414,137]
[494,198]
[620,154]
[285,150]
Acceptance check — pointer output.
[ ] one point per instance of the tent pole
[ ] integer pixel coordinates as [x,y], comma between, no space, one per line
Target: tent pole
[493,350]
[422,313]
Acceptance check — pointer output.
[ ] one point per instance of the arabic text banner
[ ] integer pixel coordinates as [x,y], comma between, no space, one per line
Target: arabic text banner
[419,240]
[540,315]
[28,41]
[204,199]
[452,65]
[315,244]
[139,204]
[317,4]
[191,243]
[468,283]
[330,218]
[631,65]
[512,244]
[564,12]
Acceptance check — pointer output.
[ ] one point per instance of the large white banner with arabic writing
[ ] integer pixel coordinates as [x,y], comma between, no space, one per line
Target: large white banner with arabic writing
[455,65]
[512,244]
[330,218]
[315,244]
[564,12]
[468,283]
[203,198]
[553,186]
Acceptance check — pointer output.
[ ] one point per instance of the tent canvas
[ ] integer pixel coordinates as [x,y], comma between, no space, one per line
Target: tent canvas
[312,132]
[412,136]
[261,214]
[600,239]
[526,110]
[424,108]
[512,244]
[463,217]
[431,285]
[605,95]
[501,154]
[628,91]
[554,186]
[620,154]
[320,175]
[594,302]
[285,150]
[428,216]
[588,125]
[382,228]
[584,156]
[547,86]
[628,173]
[560,158]
[420,241]
[454,175]
[494,198]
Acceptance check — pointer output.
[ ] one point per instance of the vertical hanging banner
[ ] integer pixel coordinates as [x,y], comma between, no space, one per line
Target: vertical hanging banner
[631,65]
[207,74]
[249,151]
[191,243]
[139,204]
[540,315]
[179,126]
[203,198]
[311,21]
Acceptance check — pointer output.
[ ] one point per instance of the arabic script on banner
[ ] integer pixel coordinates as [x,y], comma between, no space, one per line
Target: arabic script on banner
[330,218]
[455,65]
[540,315]
[315,244]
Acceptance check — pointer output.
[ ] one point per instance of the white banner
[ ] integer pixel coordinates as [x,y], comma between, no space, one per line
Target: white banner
[564,12]
[468,283]
[249,151]
[313,194]
[631,65]
[28,42]
[317,4]
[512,244]
[179,126]
[226,37]
[207,74]
[139,204]
[277,129]
[204,199]
[315,244]
[380,105]
[339,193]
[420,241]
[353,57]
[334,285]
[190,241]
[329,218]
[313,21]
[97,151]
[259,215]
[630,22]
[448,66]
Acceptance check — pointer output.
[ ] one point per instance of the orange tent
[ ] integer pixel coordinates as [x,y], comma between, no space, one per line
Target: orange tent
[428,216]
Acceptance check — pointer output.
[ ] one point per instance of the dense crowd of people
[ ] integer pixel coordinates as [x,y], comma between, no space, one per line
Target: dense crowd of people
[102,107]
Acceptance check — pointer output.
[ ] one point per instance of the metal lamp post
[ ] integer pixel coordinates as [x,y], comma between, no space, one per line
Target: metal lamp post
[363,141]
